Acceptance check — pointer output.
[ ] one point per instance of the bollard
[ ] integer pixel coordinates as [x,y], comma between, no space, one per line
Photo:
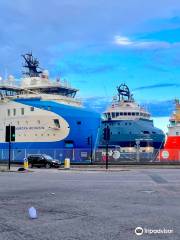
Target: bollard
[26,163]
[66,163]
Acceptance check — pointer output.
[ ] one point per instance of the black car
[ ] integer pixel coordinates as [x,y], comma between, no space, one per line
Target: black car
[42,160]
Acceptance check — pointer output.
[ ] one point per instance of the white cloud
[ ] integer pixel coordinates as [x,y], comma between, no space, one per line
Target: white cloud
[120,40]
[127,42]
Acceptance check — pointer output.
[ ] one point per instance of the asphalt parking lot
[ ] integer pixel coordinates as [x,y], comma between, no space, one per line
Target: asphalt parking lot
[90,205]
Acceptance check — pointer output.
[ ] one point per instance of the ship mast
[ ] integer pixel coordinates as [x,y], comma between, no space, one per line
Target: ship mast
[124,93]
[31,65]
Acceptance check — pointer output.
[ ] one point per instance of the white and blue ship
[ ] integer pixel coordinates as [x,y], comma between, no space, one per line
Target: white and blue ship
[46,114]
[131,126]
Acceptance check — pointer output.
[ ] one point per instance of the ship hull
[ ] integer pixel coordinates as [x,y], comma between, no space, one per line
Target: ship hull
[82,123]
[171,150]
[126,133]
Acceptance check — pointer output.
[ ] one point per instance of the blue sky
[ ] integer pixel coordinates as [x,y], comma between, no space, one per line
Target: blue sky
[97,45]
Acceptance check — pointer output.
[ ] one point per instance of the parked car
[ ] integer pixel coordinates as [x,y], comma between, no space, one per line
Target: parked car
[42,160]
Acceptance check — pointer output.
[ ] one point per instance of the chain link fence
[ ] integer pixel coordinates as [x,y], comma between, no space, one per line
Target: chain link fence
[98,156]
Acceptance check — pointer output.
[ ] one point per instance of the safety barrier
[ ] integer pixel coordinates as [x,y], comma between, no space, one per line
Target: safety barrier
[98,156]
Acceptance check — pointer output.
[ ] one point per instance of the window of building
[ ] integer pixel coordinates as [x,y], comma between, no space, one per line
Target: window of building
[137,114]
[117,114]
[125,113]
[32,109]
[38,121]
[133,114]
[57,123]
[129,113]
[177,133]
[22,111]
[121,113]
[14,111]
[78,122]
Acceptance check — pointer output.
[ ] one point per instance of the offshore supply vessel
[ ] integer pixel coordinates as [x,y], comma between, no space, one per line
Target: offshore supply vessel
[46,115]
[130,124]
[171,150]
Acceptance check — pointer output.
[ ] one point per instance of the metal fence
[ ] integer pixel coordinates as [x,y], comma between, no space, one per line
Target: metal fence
[98,156]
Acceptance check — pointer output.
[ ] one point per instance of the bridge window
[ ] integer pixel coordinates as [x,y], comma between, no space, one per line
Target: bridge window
[22,111]
[9,112]
[109,115]
[113,115]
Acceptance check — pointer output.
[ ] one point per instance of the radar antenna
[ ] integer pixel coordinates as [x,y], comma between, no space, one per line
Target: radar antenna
[124,93]
[32,65]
